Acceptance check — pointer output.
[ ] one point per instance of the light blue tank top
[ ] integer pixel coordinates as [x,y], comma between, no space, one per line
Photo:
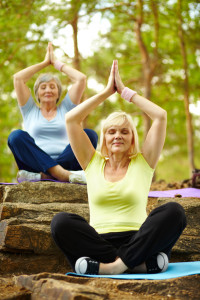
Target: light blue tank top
[50,136]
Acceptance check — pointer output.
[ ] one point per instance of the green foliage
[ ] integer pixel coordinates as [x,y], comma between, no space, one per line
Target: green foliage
[24,29]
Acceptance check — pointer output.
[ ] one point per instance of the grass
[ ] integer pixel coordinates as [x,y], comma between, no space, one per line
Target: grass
[174,168]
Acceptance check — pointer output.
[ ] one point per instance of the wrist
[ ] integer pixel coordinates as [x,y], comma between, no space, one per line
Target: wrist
[107,92]
[58,65]
[127,94]
[121,89]
[46,63]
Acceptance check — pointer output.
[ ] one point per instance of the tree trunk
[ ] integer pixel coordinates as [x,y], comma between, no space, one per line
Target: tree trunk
[76,59]
[189,128]
[148,64]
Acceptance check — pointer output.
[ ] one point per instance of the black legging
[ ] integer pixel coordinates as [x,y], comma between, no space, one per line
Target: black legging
[160,231]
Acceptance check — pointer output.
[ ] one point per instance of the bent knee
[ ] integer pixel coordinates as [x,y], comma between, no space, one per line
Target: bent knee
[59,221]
[63,222]
[176,211]
[15,136]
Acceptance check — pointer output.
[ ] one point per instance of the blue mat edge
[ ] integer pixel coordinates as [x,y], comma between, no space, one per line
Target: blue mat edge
[184,269]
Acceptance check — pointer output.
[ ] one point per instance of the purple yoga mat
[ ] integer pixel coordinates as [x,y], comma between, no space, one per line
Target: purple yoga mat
[11,183]
[187,192]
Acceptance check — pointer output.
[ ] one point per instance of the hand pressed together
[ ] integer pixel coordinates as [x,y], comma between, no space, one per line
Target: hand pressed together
[114,81]
[118,82]
[50,57]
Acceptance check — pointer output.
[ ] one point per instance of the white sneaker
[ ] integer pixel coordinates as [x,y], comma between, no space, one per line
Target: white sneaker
[157,263]
[87,265]
[77,177]
[23,175]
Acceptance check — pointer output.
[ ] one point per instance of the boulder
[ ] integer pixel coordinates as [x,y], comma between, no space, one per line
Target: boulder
[27,209]
[26,227]
[57,287]
[26,247]
[53,286]
[187,247]
[43,192]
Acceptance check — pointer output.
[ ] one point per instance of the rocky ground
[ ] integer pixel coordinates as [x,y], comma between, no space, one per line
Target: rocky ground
[31,266]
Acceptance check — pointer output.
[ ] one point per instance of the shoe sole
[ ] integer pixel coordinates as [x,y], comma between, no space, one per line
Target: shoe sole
[78,263]
[165,260]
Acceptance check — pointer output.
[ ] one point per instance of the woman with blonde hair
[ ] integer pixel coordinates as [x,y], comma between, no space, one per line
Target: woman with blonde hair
[120,237]
[119,118]
[43,150]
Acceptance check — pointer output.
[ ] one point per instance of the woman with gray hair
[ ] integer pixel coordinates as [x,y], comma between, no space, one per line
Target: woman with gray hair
[43,150]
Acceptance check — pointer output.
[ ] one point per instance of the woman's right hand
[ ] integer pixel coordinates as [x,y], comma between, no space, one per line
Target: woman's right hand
[110,88]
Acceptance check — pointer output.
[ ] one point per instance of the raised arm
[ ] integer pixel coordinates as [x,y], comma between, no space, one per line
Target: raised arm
[79,141]
[155,138]
[78,79]
[21,78]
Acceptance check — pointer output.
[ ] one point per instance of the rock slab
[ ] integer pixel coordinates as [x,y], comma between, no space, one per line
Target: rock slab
[26,247]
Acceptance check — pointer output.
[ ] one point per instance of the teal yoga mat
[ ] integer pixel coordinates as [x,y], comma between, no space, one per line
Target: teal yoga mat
[174,270]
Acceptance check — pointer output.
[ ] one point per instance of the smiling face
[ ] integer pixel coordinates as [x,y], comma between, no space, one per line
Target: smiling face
[119,125]
[48,92]
[46,78]
[119,139]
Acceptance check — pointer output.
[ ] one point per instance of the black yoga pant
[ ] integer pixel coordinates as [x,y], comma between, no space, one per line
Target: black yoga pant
[160,231]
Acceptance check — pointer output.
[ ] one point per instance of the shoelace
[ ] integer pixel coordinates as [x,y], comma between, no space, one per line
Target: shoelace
[152,265]
[92,267]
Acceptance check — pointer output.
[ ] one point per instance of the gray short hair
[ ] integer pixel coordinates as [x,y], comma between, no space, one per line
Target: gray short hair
[46,77]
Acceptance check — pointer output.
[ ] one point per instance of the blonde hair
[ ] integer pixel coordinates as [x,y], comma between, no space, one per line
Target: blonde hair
[46,77]
[119,118]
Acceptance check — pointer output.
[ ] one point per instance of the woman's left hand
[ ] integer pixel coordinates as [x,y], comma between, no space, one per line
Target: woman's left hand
[111,80]
[47,56]
[52,56]
[118,82]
